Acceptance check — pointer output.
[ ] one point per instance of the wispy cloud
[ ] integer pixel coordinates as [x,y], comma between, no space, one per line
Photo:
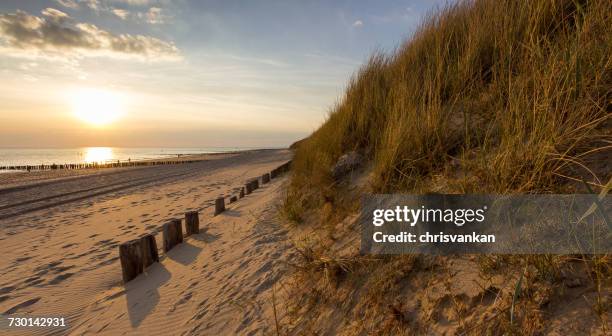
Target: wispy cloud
[68,3]
[134,2]
[154,15]
[358,23]
[56,33]
[92,4]
[121,13]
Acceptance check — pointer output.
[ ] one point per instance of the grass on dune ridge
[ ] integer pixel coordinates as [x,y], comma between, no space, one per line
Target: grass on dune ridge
[487,96]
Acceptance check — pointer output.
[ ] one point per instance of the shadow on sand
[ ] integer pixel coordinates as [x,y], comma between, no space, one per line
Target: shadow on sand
[184,253]
[205,237]
[231,213]
[142,294]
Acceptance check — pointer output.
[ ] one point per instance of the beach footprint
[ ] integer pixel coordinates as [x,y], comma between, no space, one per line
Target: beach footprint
[21,306]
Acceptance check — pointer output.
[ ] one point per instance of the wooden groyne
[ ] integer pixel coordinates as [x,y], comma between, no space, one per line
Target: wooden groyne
[138,254]
[95,165]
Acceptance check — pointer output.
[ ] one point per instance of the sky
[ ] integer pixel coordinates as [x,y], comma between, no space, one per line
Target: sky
[184,73]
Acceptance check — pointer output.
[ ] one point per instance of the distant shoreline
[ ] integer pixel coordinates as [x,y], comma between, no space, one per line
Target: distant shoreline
[175,158]
[15,178]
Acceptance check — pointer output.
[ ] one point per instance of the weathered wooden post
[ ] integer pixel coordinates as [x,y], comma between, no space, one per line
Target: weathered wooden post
[173,234]
[255,184]
[192,223]
[249,188]
[219,205]
[148,248]
[233,199]
[241,195]
[130,255]
[265,178]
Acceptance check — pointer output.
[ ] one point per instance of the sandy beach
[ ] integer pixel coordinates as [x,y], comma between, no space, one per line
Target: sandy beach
[12,178]
[60,235]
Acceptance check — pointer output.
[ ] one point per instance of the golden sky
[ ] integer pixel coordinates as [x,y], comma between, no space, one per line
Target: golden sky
[183,73]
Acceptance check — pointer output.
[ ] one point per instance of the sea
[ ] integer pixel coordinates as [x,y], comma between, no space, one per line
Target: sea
[37,156]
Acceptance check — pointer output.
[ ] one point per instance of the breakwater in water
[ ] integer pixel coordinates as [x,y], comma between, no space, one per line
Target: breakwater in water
[95,165]
[100,157]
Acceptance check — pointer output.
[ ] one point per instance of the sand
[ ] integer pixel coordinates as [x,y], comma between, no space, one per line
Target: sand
[12,178]
[60,249]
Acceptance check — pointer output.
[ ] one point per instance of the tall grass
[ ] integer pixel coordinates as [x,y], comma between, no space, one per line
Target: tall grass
[513,96]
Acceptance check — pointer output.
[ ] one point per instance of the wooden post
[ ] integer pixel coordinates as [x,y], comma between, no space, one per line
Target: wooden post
[192,223]
[233,199]
[241,195]
[249,188]
[130,255]
[148,248]
[219,205]
[255,184]
[265,178]
[173,234]
[179,230]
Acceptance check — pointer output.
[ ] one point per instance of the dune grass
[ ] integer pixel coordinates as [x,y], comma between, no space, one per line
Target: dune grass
[487,96]
[512,96]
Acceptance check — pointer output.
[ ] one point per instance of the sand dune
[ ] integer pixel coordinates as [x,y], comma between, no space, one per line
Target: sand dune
[61,259]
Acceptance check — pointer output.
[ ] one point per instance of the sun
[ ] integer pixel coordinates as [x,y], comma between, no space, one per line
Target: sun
[97,107]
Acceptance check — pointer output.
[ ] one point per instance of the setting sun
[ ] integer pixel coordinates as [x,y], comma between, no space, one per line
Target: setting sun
[97,107]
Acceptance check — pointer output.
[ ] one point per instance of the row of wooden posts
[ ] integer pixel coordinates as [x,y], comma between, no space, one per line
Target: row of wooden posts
[116,164]
[138,254]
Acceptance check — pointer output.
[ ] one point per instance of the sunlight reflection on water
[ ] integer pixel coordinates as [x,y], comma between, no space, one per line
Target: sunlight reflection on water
[98,154]
[38,156]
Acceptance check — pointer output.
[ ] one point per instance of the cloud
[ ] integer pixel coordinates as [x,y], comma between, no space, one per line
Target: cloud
[134,2]
[55,32]
[54,14]
[121,13]
[68,3]
[92,4]
[358,23]
[154,16]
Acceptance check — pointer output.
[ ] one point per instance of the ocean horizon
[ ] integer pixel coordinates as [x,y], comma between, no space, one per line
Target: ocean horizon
[38,156]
